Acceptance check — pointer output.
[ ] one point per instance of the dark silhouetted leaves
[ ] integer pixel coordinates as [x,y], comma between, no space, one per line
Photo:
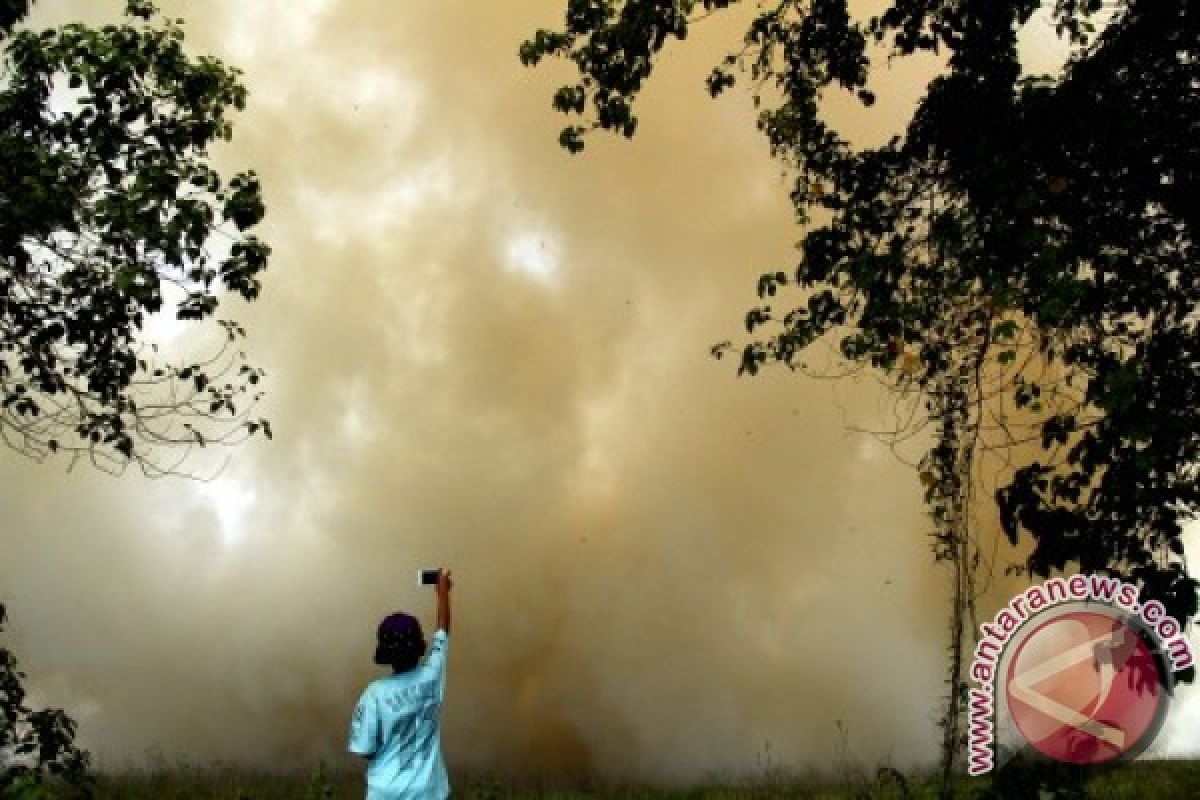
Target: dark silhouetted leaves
[1053,209]
[102,204]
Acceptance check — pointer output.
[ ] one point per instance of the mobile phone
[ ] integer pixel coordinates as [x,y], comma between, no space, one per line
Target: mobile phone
[427,577]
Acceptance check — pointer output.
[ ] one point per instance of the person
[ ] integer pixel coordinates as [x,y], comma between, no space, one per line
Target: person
[395,724]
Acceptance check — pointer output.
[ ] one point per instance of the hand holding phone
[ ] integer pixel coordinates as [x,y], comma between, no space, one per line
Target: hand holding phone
[441,579]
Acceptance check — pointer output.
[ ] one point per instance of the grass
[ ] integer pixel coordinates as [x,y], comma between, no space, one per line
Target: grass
[1143,779]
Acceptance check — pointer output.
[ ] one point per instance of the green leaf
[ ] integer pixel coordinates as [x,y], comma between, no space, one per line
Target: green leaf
[1006,329]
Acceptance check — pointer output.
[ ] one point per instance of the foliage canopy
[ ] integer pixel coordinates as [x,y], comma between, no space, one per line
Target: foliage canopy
[1041,223]
[109,207]
[107,198]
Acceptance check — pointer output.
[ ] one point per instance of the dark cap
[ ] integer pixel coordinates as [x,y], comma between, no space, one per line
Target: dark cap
[398,634]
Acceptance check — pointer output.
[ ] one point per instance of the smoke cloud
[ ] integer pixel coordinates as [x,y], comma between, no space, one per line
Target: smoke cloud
[484,353]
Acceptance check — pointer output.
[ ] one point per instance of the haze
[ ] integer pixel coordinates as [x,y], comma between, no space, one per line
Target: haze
[487,354]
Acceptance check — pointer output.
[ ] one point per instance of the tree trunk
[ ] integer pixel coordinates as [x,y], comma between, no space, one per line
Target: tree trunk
[959,410]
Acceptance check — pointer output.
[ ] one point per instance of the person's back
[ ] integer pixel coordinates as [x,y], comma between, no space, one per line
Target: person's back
[396,722]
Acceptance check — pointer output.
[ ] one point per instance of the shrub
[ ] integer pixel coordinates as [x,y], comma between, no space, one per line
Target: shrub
[37,748]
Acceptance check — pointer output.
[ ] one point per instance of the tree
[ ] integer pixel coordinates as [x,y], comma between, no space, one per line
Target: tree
[108,204]
[1022,254]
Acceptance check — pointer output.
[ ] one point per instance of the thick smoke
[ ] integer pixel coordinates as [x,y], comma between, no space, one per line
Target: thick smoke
[487,354]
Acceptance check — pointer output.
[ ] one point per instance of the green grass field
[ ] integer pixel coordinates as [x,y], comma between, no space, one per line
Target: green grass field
[1143,779]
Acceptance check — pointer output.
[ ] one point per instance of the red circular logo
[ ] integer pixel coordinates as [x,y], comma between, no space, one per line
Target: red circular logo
[1084,687]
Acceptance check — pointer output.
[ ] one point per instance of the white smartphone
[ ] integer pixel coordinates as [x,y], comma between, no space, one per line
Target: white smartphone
[427,577]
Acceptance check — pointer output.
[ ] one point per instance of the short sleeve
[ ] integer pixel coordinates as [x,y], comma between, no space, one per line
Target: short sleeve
[435,662]
[364,726]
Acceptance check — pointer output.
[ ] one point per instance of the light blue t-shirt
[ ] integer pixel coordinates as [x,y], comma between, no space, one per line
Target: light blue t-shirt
[396,724]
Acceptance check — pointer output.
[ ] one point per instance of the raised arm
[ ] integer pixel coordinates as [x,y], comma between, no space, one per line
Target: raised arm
[444,585]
